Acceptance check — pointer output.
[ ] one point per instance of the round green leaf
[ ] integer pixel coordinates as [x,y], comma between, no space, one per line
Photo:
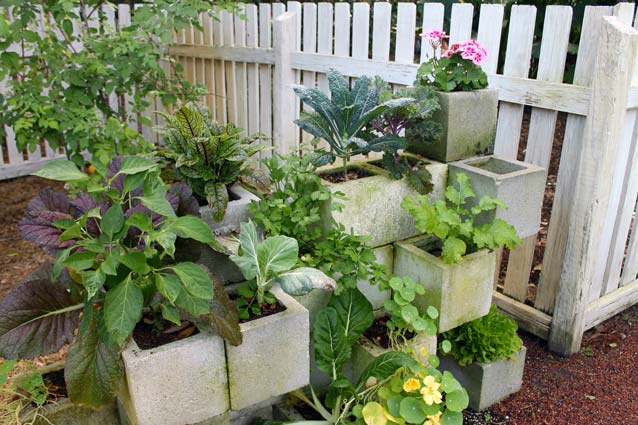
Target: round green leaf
[373,414]
[446,346]
[432,312]
[433,361]
[407,293]
[451,418]
[409,313]
[411,409]
[457,401]
[449,383]
[396,283]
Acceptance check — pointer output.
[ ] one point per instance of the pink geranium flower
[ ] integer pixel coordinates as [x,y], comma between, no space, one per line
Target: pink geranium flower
[434,35]
[470,50]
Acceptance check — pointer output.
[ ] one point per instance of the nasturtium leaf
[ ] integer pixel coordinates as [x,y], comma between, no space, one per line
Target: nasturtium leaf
[193,228]
[457,401]
[302,280]
[394,404]
[409,313]
[432,312]
[411,409]
[374,414]
[93,370]
[433,360]
[446,346]
[62,170]
[195,280]
[123,309]
[136,164]
[449,383]
[136,261]
[112,221]
[80,260]
[431,409]
[37,317]
[407,293]
[450,417]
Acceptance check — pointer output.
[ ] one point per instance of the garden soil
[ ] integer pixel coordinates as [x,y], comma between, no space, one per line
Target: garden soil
[596,386]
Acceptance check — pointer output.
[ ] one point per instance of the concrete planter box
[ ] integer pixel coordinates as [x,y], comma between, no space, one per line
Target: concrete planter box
[365,351]
[488,383]
[373,207]
[177,383]
[519,184]
[273,358]
[461,292]
[236,212]
[468,121]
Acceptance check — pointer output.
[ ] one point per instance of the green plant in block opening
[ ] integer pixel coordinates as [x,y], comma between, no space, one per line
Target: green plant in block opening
[453,225]
[342,119]
[490,338]
[117,256]
[271,261]
[456,68]
[210,156]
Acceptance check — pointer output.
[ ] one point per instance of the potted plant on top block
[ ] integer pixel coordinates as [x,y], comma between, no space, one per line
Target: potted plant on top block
[468,109]
[488,357]
[273,358]
[117,263]
[454,259]
[345,121]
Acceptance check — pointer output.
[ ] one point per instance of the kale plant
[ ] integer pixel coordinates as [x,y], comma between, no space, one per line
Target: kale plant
[342,119]
[211,156]
[115,258]
[490,338]
[453,225]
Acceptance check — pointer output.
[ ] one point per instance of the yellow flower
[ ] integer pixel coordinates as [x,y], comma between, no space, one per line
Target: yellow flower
[411,385]
[430,391]
[423,352]
[433,420]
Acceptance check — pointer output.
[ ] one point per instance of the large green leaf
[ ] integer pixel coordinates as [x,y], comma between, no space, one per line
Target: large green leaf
[168,285]
[112,221]
[37,317]
[354,313]
[217,198]
[123,309]
[385,365]
[93,371]
[195,279]
[247,261]
[158,203]
[136,164]
[332,348]
[277,254]
[192,227]
[191,123]
[302,280]
[411,409]
[193,305]
[61,169]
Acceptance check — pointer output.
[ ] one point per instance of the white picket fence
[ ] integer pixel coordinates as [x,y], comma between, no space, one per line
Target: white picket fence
[590,266]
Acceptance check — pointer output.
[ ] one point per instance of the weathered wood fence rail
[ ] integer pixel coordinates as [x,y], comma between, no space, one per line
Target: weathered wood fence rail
[590,265]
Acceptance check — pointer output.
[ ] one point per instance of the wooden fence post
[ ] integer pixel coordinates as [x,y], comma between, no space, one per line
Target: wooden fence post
[610,88]
[284,42]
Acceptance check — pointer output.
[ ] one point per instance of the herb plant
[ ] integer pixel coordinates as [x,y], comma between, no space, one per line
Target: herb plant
[453,225]
[456,68]
[404,316]
[342,118]
[270,261]
[115,249]
[211,156]
[79,83]
[487,339]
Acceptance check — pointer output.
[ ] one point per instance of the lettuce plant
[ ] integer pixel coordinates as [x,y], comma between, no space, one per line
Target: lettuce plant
[211,156]
[456,68]
[453,225]
[271,261]
[342,119]
[490,338]
[115,257]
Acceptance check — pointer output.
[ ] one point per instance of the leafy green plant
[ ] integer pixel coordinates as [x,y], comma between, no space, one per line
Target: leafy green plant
[33,385]
[490,338]
[85,98]
[404,315]
[342,118]
[17,398]
[211,156]
[453,225]
[293,206]
[456,68]
[115,249]
[270,262]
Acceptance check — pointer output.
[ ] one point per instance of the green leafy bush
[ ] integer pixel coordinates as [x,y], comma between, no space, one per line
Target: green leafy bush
[453,225]
[490,338]
[210,156]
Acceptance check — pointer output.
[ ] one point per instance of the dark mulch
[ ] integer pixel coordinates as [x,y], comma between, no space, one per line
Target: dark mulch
[378,332]
[266,310]
[146,336]
[17,257]
[54,381]
[338,176]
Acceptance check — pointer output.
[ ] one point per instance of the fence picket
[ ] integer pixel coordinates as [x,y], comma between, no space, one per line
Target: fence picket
[209,66]
[360,30]
[342,29]
[489,34]
[252,70]
[381,25]
[324,39]
[432,20]
[461,22]
[240,73]
[228,37]
[406,26]
[220,74]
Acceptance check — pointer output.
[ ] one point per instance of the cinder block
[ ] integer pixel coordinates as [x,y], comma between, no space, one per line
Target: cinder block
[177,383]
[373,204]
[461,292]
[488,383]
[365,351]
[519,184]
[468,121]
[273,358]
[236,212]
